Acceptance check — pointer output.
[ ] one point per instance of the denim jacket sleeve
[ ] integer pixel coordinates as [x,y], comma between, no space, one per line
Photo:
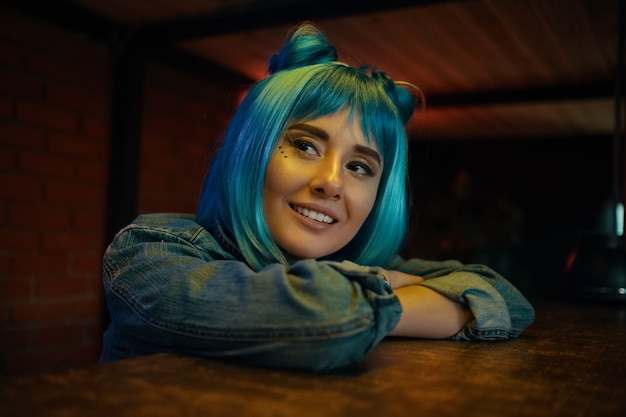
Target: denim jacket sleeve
[170,286]
[500,311]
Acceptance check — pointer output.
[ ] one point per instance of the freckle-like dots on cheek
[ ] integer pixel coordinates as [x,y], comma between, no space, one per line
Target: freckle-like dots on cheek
[282,152]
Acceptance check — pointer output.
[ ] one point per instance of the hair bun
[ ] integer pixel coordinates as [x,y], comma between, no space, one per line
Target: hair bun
[400,93]
[305,45]
[407,97]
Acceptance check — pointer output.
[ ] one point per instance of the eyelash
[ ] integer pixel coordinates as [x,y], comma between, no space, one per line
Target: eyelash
[300,144]
[365,167]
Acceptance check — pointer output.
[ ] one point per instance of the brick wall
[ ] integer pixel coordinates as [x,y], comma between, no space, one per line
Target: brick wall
[55,108]
[182,117]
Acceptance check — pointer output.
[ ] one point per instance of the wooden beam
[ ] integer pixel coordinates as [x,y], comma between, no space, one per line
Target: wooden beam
[537,94]
[265,14]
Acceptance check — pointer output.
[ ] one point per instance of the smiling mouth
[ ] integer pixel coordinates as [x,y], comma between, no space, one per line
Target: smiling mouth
[312,214]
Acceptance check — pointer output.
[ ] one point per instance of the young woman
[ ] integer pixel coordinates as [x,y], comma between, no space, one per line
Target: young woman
[291,259]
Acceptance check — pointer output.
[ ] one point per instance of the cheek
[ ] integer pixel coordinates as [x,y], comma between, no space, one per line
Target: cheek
[280,176]
[370,204]
[364,200]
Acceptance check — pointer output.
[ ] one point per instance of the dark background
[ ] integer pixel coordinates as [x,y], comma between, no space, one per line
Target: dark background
[516,205]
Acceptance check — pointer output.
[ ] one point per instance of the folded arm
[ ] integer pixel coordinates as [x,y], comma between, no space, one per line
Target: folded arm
[425,313]
[176,292]
[428,314]
[476,300]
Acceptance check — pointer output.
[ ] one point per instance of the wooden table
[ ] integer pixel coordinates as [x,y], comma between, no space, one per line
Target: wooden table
[571,362]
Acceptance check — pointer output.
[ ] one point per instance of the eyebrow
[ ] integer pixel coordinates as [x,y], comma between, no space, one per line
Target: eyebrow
[323,135]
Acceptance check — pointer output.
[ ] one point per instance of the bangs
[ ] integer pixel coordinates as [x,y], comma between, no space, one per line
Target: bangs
[334,87]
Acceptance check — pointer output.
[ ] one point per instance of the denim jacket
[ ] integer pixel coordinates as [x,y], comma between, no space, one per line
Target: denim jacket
[172,286]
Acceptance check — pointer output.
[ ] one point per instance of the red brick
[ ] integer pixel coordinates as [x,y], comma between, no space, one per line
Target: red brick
[13,289]
[195,151]
[6,107]
[39,265]
[30,360]
[52,68]
[55,242]
[95,173]
[4,315]
[93,278]
[24,29]
[164,163]
[163,203]
[89,220]
[46,165]
[7,159]
[22,136]
[205,133]
[154,180]
[93,55]
[100,80]
[20,188]
[11,54]
[196,171]
[40,217]
[58,334]
[39,311]
[12,339]
[84,354]
[188,186]
[18,240]
[156,142]
[88,263]
[168,125]
[47,116]
[159,100]
[96,127]
[74,98]
[93,327]
[60,287]
[86,309]
[75,195]
[196,109]
[71,145]
[20,83]
[4,266]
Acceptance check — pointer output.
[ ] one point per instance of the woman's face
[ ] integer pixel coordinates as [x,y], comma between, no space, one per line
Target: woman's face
[320,185]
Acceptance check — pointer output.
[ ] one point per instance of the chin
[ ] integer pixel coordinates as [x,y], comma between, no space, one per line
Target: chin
[308,253]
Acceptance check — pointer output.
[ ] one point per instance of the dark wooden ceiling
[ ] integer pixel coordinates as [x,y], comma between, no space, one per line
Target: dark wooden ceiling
[489,68]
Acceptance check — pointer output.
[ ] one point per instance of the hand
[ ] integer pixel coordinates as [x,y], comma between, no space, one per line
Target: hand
[399,279]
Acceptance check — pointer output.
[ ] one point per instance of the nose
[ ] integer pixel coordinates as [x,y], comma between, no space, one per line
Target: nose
[327,181]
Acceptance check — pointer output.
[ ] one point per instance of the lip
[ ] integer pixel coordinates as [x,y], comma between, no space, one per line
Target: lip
[311,223]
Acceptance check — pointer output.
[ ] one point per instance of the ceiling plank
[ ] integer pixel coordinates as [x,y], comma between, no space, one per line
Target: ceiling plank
[265,14]
[76,18]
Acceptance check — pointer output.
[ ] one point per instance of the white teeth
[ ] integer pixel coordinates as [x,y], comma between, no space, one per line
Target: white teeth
[320,217]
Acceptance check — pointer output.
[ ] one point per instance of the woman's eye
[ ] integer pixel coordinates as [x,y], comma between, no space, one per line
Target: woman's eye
[361,168]
[305,146]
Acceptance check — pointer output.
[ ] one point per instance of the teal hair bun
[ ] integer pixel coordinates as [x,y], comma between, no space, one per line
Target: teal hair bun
[305,45]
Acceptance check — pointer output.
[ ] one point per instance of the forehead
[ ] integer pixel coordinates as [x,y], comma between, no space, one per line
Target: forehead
[342,125]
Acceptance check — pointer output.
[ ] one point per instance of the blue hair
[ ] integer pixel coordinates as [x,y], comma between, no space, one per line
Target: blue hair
[305,83]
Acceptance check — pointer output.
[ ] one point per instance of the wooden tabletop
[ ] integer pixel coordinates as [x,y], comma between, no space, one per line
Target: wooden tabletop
[571,362]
